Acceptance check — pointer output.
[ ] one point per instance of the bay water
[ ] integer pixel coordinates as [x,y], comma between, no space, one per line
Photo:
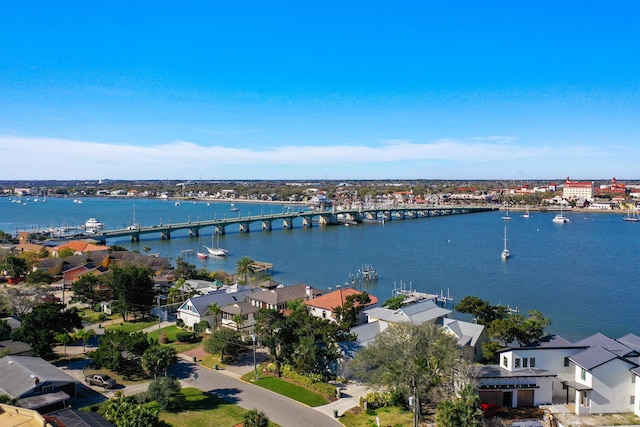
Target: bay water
[581,274]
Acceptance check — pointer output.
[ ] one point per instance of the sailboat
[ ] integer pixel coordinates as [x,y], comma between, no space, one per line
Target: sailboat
[217,251]
[505,254]
[506,217]
[526,213]
[632,218]
[560,218]
[133,225]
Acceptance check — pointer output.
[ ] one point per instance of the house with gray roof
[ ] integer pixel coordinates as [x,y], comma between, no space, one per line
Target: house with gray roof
[418,313]
[35,383]
[470,337]
[597,374]
[278,298]
[604,375]
[239,316]
[196,308]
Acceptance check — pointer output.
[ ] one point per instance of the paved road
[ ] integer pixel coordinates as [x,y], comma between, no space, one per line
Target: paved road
[279,409]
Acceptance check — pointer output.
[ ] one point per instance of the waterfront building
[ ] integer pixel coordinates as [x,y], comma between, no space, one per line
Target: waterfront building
[324,305]
[278,298]
[576,190]
[598,375]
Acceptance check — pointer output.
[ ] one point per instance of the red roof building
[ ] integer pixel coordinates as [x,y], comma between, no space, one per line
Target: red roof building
[324,305]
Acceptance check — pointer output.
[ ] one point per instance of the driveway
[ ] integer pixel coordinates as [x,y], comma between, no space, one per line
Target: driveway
[281,410]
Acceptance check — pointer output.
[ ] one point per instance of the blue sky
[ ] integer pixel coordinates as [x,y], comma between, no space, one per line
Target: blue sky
[313,90]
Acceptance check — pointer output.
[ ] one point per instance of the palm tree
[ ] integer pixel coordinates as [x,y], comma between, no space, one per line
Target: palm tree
[255,418]
[238,320]
[63,339]
[146,249]
[215,310]
[84,335]
[244,267]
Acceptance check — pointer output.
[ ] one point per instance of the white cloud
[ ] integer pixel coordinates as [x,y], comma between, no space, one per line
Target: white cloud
[52,158]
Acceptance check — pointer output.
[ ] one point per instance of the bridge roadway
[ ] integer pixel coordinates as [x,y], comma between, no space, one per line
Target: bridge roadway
[322,217]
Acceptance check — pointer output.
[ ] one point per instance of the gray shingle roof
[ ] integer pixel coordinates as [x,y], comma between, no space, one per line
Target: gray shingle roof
[418,313]
[593,357]
[285,294]
[367,332]
[18,373]
[221,297]
[467,333]
[601,340]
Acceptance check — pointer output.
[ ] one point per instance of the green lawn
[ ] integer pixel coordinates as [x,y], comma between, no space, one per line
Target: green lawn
[93,317]
[171,332]
[132,326]
[292,391]
[391,416]
[203,409]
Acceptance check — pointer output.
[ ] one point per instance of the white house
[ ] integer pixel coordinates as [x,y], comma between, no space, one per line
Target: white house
[604,374]
[196,308]
[324,305]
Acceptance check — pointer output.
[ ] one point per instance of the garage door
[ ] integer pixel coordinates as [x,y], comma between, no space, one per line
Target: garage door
[525,398]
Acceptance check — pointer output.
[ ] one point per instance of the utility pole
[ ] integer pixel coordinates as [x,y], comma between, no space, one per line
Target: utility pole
[159,316]
[255,368]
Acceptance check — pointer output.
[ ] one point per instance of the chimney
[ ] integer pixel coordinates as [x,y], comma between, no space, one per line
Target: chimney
[308,292]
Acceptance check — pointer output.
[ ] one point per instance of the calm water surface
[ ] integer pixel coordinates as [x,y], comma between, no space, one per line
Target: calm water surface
[582,274]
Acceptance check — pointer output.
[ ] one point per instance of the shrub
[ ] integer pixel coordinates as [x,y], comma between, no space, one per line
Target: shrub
[186,337]
[179,323]
[376,399]
[164,338]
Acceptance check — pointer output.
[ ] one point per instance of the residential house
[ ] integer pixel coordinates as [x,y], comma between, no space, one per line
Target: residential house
[196,308]
[418,313]
[598,374]
[157,264]
[14,416]
[239,315]
[324,306]
[470,337]
[605,375]
[35,383]
[81,247]
[278,298]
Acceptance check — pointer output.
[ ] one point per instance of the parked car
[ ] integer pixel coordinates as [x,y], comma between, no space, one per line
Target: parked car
[101,380]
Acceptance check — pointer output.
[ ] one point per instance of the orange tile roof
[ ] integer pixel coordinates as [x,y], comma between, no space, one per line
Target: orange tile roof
[337,298]
[80,246]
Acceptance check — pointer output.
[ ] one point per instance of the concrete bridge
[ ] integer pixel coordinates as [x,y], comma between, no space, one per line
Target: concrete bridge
[308,218]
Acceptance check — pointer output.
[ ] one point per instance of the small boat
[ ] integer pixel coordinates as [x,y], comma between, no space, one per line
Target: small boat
[202,255]
[632,217]
[526,213]
[134,225]
[234,208]
[506,217]
[560,218]
[505,254]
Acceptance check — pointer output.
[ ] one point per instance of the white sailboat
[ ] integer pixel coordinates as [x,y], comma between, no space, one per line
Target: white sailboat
[216,251]
[560,218]
[506,217]
[526,213]
[632,217]
[505,254]
[133,225]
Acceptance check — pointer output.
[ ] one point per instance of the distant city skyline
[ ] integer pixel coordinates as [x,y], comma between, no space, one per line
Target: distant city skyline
[333,90]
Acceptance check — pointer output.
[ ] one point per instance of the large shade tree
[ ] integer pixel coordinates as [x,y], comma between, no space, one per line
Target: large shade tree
[132,288]
[40,327]
[411,361]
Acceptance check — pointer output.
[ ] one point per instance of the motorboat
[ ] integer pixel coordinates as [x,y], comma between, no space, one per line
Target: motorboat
[202,255]
[92,225]
[234,208]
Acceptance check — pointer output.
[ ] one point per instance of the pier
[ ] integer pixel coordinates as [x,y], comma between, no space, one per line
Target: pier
[306,218]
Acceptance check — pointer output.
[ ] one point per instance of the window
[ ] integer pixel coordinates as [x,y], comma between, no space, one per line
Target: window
[566,361]
[516,363]
[632,400]
[525,362]
[633,378]
[505,362]
[47,388]
[583,374]
[532,362]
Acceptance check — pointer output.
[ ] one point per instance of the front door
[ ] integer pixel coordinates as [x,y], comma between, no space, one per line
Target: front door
[507,399]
